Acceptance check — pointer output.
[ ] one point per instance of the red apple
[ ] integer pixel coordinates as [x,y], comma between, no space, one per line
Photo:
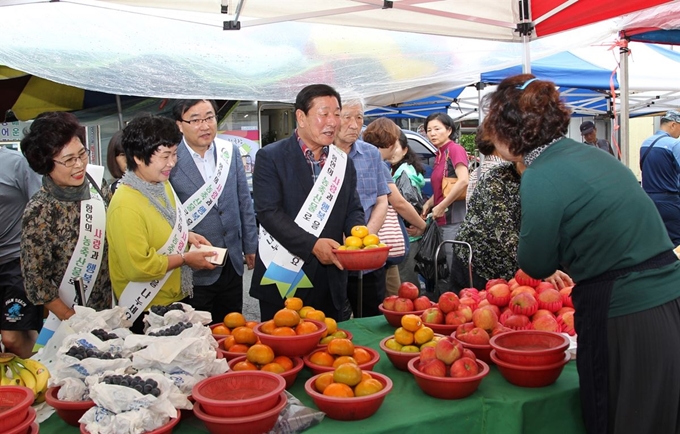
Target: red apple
[566,322]
[427,353]
[448,302]
[493,307]
[524,303]
[485,319]
[408,290]
[499,329]
[471,293]
[493,282]
[546,323]
[524,279]
[455,318]
[550,299]
[542,312]
[464,367]
[505,315]
[476,336]
[433,367]
[432,315]
[512,283]
[564,309]
[466,311]
[403,305]
[482,295]
[422,303]
[499,294]
[469,353]
[465,327]
[469,301]
[543,286]
[566,296]
[518,322]
[523,288]
[388,302]
[448,350]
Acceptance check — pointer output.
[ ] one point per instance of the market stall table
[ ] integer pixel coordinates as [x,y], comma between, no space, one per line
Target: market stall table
[496,407]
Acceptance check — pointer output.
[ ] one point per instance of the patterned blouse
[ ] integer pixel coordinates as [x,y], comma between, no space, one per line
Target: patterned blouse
[49,236]
[492,224]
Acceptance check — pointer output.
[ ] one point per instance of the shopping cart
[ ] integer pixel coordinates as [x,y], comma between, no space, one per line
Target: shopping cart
[436,255]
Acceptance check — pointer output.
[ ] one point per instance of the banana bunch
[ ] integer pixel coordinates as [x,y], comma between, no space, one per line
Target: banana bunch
[15,371]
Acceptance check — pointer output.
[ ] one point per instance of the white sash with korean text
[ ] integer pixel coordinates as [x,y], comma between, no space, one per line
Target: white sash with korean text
[137,295]
[201,202]
[86,259]
[284,268]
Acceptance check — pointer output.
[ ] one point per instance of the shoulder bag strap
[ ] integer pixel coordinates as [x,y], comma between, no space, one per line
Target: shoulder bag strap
[96,187]
[642,160]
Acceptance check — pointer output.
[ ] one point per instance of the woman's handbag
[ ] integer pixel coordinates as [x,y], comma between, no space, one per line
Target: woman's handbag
[393,234]
[449,182]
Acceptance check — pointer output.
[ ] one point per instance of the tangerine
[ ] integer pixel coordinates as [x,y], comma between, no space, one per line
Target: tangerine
[338,390]
[354,242]
[251,324]
[284,331]
[347,373]
[273,367]
[294,303]
[368,387]
[371,240]
[344,359]
[304,310]
[234,319]
[268,327]
[341,347]
[331,325]
[286,318]
[221,330]
[238,348]
[244,335]
[323,380]
[317,315]
[228,342]
[411,322]
[403,336]
[365,375]
[285,361]
[423,335]
[322,358]
[359,231]
[305,328]
[260,354]
[244,365]
[362,355]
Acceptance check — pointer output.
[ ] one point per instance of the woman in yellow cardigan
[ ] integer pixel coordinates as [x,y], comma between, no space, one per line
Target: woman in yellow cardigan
[146,227]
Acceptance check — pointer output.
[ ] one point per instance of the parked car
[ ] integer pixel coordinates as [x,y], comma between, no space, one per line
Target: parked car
[426,151]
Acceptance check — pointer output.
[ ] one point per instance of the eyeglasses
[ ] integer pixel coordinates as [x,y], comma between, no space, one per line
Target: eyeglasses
[197,122]
[70,162]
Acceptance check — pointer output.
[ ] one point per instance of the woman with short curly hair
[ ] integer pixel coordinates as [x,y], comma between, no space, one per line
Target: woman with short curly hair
[63,225]
[585,212]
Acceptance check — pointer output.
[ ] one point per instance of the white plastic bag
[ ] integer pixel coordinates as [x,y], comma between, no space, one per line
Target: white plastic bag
[87,319]
[188,314]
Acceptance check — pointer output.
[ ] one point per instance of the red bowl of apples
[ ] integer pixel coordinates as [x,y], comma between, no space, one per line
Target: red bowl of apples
[530,347]
[530,376]
[444,387]
[482,351]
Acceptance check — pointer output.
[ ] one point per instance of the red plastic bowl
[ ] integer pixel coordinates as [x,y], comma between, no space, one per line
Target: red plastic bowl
[163,429]
[238,394]
[24,426]
[292,346]
[355,408]
[69,411]
[289,375]
[224,354]
[256,423]
[444,329]
[347,332]
[530,347]
[34,428]
[318,369]
[399,359]
[364,259]
[447,387]
[482,352]
[394,318]
[530,376]
[14,404]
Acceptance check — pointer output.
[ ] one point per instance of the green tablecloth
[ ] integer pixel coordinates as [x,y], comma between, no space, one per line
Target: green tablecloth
[496,407]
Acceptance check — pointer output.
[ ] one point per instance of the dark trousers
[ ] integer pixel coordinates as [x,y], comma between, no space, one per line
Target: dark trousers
[220,298]
[669,209]
[373,291]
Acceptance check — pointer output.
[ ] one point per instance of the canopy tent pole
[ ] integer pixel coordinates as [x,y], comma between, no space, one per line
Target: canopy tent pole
[524,28]
[119,105]
[623,113]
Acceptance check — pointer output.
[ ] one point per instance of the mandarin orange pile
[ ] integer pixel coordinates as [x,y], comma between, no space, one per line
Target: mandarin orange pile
[347,380]
[412,335]
[261,357]
[361,239]
[340,351]
[240,333]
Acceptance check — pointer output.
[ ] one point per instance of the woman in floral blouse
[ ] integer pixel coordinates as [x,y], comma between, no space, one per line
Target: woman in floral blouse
[62,237]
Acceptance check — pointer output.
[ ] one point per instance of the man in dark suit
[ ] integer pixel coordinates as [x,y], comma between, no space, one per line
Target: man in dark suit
[297,238]
[210,180]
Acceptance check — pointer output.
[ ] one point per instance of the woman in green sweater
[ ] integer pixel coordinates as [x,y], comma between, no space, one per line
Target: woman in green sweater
[585,212]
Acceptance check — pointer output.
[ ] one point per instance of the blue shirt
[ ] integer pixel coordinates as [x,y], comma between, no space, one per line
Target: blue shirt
[371,181]
[661,166]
